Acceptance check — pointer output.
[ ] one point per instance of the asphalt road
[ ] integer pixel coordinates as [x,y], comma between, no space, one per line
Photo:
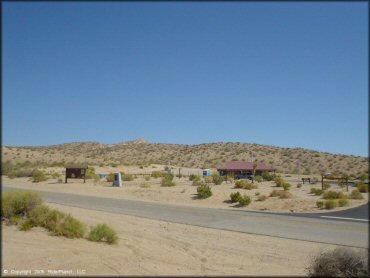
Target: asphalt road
[308,227]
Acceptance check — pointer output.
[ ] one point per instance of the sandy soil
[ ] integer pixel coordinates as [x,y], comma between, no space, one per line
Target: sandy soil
[185,194]
[149,247]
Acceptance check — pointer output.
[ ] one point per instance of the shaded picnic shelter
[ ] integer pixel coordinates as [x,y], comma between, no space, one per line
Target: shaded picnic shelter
[234,168]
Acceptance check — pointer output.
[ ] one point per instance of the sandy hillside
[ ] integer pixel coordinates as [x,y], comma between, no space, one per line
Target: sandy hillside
[141,152]
[149,247]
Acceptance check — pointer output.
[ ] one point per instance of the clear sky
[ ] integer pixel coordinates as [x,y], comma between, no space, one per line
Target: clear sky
[283,74]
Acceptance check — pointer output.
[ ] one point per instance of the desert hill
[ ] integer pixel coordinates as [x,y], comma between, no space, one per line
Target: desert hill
[141,152]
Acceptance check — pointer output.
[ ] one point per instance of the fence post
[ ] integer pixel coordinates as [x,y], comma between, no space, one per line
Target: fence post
[322,182]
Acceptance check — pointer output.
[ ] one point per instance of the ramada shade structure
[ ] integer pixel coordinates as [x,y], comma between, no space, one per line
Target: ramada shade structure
[244,167]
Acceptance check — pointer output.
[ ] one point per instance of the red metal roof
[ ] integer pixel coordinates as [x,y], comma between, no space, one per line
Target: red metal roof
[245,165]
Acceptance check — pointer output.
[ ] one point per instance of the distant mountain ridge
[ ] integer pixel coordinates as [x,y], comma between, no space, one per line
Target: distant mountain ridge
[208,155]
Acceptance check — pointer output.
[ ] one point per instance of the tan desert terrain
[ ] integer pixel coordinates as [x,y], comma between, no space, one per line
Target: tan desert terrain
[149,247]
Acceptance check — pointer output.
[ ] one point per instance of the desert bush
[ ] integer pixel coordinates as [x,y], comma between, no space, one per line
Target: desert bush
[103,233]
[317,191]
[262,198]
[26,226]
[157,174]
[274,193]
[20,173]
[258,179]
[244,200]
[235,197]
[90,173]
[110,177]
[204,191]
[193,177]
[286,186]
[197,183]
[331,203]
[38,176]
[147,178]
[299,185]
[285,195]
[267,176]
[19,203]
[343,202]
[71,228]
[167,180]
[38,215]
[320,204]
[55,175]
[127,177]
[217,179]
[362,187]
[279,181]
[340,262]
[363,177]
[333,195]
[245,185]
[355,194]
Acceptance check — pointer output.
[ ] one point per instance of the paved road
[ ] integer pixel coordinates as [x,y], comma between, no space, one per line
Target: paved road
[306,227]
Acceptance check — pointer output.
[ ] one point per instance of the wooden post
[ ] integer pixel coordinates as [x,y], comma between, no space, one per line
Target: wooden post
[322,182]
[347,183]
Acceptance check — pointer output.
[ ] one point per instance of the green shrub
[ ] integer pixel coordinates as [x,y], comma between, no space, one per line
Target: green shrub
[262,198]
[103,233]
[26,226]
[71,228]
[90,173]
[244,200]
[285,195]
[333,195]
[355,194]
[279,181]
[38,215]
[193,177]
[274,193]
[331,203]
[38,176]
[317,191]
[204,191]
[147,178]
[362,187]
[258,179]
[127,177]
[157,174]
[245,185]
[340,262]
[110,177]
[320,204]
[235,197]
[53,220]
[217,179]
[286,186]
[267,176]
[343,202]
[167,180]
[19,202]
[197,183]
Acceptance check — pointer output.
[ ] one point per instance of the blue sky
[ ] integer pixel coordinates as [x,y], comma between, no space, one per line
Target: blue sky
[283,74]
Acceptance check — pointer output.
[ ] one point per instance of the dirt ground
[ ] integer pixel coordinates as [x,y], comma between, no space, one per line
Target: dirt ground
[151,247]
[186,194]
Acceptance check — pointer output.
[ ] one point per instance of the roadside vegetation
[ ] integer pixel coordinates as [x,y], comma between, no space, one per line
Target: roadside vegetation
[340,262]
[26,209]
